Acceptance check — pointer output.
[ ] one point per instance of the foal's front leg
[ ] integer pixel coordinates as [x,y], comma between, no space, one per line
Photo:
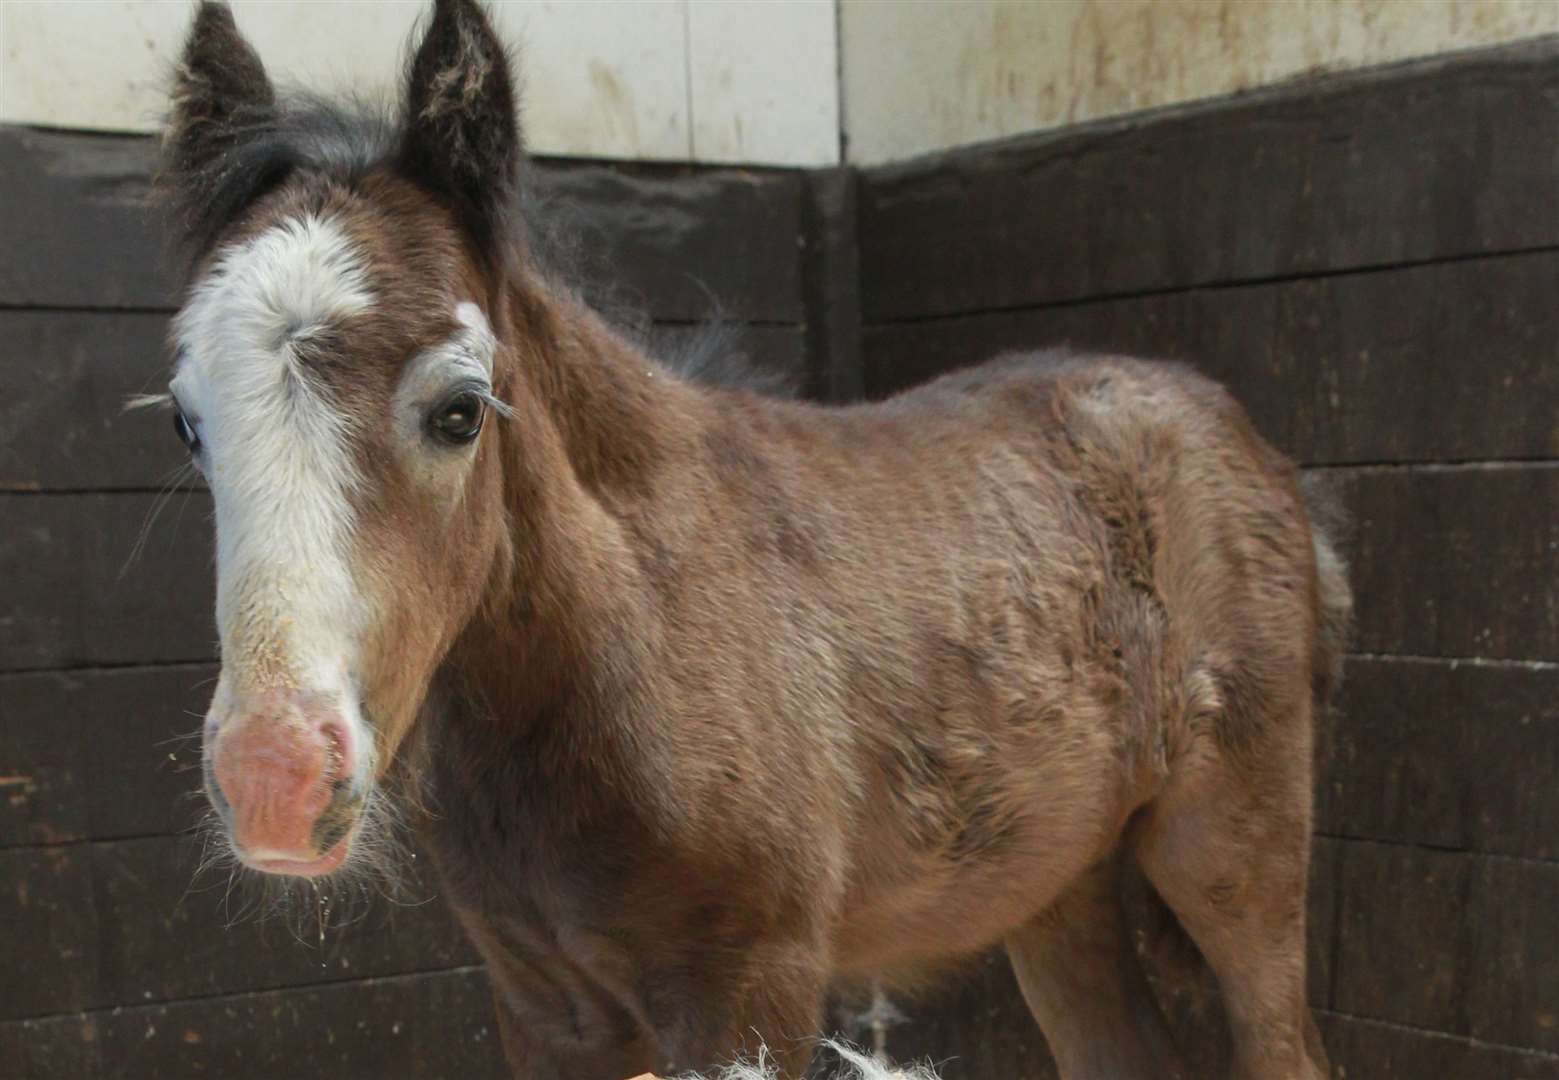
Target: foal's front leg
[555,1020]
[768,1001]
[536,1047]
[764,1001]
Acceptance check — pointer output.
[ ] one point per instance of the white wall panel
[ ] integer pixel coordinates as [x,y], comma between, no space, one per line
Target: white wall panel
[764,81]
[606,78]
[921,75]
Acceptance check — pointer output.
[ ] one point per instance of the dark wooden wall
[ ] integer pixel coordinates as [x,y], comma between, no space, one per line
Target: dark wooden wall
[111,964]
[1372,264]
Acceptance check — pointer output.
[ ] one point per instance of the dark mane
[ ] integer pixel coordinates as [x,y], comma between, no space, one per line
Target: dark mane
[259,151]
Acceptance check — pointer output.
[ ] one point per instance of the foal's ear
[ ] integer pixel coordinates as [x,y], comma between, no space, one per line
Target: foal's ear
[462,130]
[220,85]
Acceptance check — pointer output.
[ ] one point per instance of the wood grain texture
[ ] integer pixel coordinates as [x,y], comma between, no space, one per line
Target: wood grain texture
[79,593]
[1455,561]
[1451,942]
[64,381]
[433,1026]
[832,266]
[1360,1047]
[683,244]
[100,754]
[1443,754]
[1446,362]
[78,226]
[127,922]
[1379,169]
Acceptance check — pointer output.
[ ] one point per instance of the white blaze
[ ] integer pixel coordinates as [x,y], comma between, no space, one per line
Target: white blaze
[277,458]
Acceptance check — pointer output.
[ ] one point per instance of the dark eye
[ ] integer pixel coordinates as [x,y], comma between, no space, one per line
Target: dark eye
[186,431]
[459,418]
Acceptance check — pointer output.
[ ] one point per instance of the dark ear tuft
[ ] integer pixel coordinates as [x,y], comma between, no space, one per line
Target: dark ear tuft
[462,128]
[221,98]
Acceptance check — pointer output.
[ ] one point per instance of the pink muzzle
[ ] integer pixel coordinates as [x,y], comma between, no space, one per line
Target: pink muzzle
[281,770]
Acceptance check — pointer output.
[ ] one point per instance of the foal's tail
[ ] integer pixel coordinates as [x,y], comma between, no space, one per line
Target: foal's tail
[1334,599]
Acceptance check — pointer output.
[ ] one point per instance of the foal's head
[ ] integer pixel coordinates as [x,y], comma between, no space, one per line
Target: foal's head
[340,382]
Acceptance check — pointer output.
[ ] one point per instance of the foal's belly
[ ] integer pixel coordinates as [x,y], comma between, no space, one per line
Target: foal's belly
[941,908]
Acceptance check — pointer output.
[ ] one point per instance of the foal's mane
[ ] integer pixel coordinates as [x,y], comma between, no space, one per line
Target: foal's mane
[346,139]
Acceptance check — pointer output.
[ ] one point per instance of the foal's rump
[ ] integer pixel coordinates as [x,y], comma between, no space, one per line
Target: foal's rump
[1144,486]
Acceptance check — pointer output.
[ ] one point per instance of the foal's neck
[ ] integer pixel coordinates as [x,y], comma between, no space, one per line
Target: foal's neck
[570,625]
[622,417]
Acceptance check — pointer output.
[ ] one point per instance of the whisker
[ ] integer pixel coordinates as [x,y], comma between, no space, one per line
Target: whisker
[167,492]
[185,737]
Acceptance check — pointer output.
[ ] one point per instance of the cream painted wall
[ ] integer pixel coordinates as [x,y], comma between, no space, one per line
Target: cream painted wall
[704,80]
[922,75]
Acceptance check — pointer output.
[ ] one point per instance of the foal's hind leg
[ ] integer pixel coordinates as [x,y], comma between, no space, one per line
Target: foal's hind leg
[1083,984]
[1227,847]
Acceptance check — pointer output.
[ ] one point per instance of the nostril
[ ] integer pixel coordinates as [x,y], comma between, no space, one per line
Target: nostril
[339,759]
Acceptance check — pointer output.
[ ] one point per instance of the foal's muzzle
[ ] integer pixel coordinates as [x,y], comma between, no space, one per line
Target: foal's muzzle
[281,769]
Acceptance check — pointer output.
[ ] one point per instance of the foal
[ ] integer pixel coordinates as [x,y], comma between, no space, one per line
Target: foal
[717,700]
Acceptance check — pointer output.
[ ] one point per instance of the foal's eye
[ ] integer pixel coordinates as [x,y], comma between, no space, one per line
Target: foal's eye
[186,431]
[459,418]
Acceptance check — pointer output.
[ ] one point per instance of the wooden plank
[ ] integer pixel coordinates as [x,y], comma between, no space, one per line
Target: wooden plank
[1455,561]
[56,1046]
[832,267]
[1405,164]
[1447,941]
[64,381]
[676,242]
[1514,970]
[685,244]
[1451,362]
[74,214]
[1359,1047]
[1321,921]
[417,1027]
[1404,935]
[1446,754]
[75,596]
[48,922]
[100,754]
[126,922]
